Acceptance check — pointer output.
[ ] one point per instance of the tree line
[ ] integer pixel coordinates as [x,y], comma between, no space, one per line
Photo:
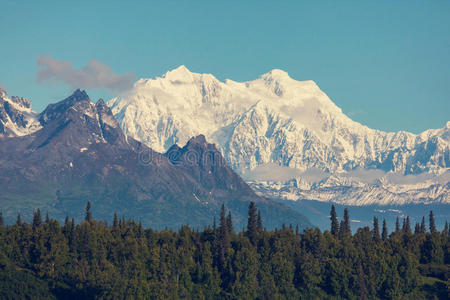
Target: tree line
[123,260]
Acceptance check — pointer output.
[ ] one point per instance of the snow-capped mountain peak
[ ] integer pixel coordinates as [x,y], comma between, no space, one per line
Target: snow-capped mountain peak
[276,75]
[17,117]
[180,74]
[273,119]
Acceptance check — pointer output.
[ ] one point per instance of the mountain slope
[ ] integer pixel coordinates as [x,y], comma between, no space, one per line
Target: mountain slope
[273,120]
[80,154]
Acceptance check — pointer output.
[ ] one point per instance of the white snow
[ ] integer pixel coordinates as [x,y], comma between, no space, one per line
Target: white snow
[30,117]
[196,198]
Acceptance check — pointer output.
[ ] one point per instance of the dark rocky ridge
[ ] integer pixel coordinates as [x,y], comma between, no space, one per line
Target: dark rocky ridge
[81,155]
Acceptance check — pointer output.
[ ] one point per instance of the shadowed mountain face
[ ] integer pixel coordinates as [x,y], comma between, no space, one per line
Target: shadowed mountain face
[79,153]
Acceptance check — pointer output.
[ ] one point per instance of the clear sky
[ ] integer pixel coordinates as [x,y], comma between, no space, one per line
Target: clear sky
[385,63]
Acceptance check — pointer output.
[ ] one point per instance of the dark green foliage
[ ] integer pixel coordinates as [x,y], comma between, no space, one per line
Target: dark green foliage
[423,227]
[230,223]
[259,226]
[444,233]
[125,261]
[347,229]
[384,233]
[376,230]
[417,228]
[19,219]
[115,221]
[88,216]
[334,222]
[22,284]
[341,229]
[406,225]
[397,225]
[252,223]
[37,219]
[432,224]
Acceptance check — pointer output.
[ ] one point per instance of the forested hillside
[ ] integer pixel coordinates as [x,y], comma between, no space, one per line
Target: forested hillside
[123,260]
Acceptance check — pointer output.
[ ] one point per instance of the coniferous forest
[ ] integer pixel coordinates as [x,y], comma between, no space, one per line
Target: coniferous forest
[123,260]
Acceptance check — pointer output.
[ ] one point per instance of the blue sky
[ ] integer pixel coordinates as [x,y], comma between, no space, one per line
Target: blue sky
[385,63]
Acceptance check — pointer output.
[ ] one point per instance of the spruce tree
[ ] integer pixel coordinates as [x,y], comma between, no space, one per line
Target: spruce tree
[417,228]
[37,219]
[406,225]
[115,221]
[140,230]
[334,221]
[224,238]
[66,227]
[341,229]
[432,224]
[223,221]
[347,222]
[223,230]
[397,225]
[423,228]
[88,216]
[230,223]
[446,229]
[19,219]
[72,235]
[384,234]
[259,225]
[362,289]
[376,229]
[252,226]
[1,219]
[47,219]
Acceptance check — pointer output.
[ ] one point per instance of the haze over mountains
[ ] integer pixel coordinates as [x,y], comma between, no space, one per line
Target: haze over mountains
[288,139]
[74,152]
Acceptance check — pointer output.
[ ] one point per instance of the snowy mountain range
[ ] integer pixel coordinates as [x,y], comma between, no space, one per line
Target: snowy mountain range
[288,139]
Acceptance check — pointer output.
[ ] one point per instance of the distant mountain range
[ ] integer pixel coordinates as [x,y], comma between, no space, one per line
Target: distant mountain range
[75,151]
[288,139]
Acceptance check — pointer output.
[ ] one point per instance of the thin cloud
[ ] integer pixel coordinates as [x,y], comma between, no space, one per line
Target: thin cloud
[94,75]
[274,172]
[397,178]
[366,176]
[356,112]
